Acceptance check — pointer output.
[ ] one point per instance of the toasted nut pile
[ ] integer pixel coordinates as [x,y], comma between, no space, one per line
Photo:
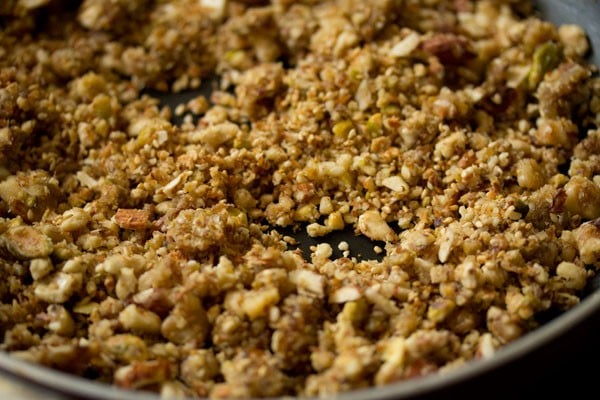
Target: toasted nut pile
[462,137]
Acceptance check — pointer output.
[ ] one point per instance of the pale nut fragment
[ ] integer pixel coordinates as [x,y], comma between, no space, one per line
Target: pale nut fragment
[199,366]
[372,225]
[529,174]
[486,347]
[58,320]
[127,283]
[406,46]
[364,97]
[187,322]
[58,288]
[256,303]
[574,276]
[447,243]
[126,347]
[169,188]
[587,239]
[583,197]
[40,267]
[453,144]
[323,251]
[136,319]
[31,4]
[397,184]
[74,219]
[502,326]
[115,262]
[216,8]
[26,242]
[143,373]
[345,294]
[215,135]
[309,281]
[394,357]
[574,39]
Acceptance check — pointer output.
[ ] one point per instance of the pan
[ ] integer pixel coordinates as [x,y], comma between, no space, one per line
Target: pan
[530,365]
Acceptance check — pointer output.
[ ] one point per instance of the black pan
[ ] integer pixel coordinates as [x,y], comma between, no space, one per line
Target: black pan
[556,359]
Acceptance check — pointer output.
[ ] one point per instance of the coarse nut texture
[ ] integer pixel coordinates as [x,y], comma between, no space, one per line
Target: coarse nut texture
[142,246]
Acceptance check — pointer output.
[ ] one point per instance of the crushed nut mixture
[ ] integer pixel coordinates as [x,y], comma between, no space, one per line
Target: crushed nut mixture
[462,137]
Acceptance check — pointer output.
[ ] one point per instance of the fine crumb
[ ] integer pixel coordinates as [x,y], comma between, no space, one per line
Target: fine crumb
[460,137]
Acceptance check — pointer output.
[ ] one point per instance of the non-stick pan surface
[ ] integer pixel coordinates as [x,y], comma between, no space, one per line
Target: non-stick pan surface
[552,360]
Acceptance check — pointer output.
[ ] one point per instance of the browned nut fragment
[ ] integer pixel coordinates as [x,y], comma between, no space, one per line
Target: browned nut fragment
[132,219]
[449,48]
[26,242]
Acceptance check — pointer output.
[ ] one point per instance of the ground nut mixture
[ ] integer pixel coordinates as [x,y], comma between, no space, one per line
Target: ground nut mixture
[462,137]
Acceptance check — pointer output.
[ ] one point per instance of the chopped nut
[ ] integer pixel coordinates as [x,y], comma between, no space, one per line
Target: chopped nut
[26,242]
[529,174]
[546,57]
[57,288]
[587,237]
[199,366]
[309,282]
[406,45]
[187,323]
[40,267]
[256,303]
[574,275]
[345,294]
[216,135]
[141,253]
[126,348]
[139,374]
[373,226]
[583,197]
[58,320]
[132,219]
[136,319]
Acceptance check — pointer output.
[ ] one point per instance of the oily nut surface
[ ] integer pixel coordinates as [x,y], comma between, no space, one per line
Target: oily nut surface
[461,137]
